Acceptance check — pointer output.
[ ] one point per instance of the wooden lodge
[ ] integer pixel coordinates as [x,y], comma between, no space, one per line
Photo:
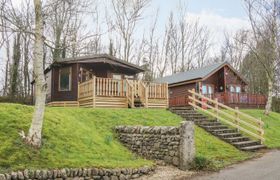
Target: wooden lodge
[218,81]
[101,81]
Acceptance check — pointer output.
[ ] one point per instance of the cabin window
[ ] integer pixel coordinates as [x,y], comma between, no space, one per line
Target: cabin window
[232,89]
[117,76]
[204,89]
[238,89]
[65,79]
[207,89]
[235,89]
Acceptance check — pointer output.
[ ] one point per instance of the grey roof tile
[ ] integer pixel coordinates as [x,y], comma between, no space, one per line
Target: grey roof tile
[190,75]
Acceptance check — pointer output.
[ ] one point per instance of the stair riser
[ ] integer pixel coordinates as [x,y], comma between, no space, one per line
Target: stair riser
[211,128]
[236,140]
[247,144]
[229,136]
[222,132]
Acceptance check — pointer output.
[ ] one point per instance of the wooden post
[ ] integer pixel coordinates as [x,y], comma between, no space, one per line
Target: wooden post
[78,94]
[216,107]
[132,96]
[237,118]
[167,95]
[261,132]
[93,91]
[146,96]
[193,96]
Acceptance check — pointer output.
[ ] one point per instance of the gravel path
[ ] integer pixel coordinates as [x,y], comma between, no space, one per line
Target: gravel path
[168,173]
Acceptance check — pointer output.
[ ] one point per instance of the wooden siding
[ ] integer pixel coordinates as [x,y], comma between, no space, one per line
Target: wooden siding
[217,80]
[65,95]
[178,95]
[234,79]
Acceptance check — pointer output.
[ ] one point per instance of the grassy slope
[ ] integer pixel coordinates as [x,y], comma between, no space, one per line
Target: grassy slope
[78,137]
[271,128]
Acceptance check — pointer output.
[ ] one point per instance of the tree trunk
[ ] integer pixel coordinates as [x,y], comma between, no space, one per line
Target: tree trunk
[34,134]
[269,97]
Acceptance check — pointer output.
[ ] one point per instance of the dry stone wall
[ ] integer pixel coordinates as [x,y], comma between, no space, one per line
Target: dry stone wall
[78,174]
[173,145]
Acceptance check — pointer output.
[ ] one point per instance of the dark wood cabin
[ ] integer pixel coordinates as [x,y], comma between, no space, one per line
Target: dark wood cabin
[219,81]
[99,81]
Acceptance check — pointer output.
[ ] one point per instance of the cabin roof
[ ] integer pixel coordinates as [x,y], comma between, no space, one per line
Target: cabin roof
[196,74]
[97,58]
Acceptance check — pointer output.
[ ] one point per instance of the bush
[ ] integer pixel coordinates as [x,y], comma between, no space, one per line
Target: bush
[201,163]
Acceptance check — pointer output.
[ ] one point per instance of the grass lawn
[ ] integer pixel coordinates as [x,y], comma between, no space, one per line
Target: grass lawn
[80,137]
[271,127]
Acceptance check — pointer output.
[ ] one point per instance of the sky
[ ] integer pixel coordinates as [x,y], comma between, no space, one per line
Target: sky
[220,16]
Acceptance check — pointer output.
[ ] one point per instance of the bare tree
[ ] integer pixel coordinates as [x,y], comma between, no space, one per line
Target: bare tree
[35,131]
[264,18]
[127,13]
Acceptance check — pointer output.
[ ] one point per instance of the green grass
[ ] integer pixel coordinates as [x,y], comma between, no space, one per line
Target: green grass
[271,127]
[80,137]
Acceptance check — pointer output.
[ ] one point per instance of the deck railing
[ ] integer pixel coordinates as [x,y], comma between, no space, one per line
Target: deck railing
[233,117]
[130,93]
[110,87]
[241,98]
[86,89]
[157,90]
[130,89]
[227,98]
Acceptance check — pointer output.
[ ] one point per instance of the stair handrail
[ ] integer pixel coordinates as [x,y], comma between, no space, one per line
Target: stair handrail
[144,94]
[237,118]
[130,93]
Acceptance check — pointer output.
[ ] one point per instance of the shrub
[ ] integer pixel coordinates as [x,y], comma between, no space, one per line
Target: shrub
[201,163]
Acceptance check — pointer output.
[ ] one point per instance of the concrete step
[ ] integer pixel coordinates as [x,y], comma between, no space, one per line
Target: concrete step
[222,131]
[210,128]
[246,143]
[253,148]
[236,139]
[228,135]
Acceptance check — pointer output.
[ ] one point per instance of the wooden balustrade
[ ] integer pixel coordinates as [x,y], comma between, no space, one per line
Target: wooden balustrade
[85,89]
[129,89]
[241,98]
[157,91]
[110,87]
[130,93]
[233,117]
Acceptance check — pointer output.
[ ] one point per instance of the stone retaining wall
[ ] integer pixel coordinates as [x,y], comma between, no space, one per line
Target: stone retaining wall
[79,174]
[173,145]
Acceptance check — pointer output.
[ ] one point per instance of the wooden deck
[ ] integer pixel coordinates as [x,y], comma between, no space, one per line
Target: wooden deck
[112,93]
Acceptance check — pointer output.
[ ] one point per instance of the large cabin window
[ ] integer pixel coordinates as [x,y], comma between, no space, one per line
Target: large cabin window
[235,89]
[207,89]
[65,79]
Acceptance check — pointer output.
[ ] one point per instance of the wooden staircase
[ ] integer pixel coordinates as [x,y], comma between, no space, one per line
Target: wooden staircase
[216,128]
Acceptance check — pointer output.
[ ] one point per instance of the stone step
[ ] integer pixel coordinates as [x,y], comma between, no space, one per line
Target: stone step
[182,108]
[211,128]
[253,148]
[246,143]
[222,131]
[227,135]
[236,139]
[210,122]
